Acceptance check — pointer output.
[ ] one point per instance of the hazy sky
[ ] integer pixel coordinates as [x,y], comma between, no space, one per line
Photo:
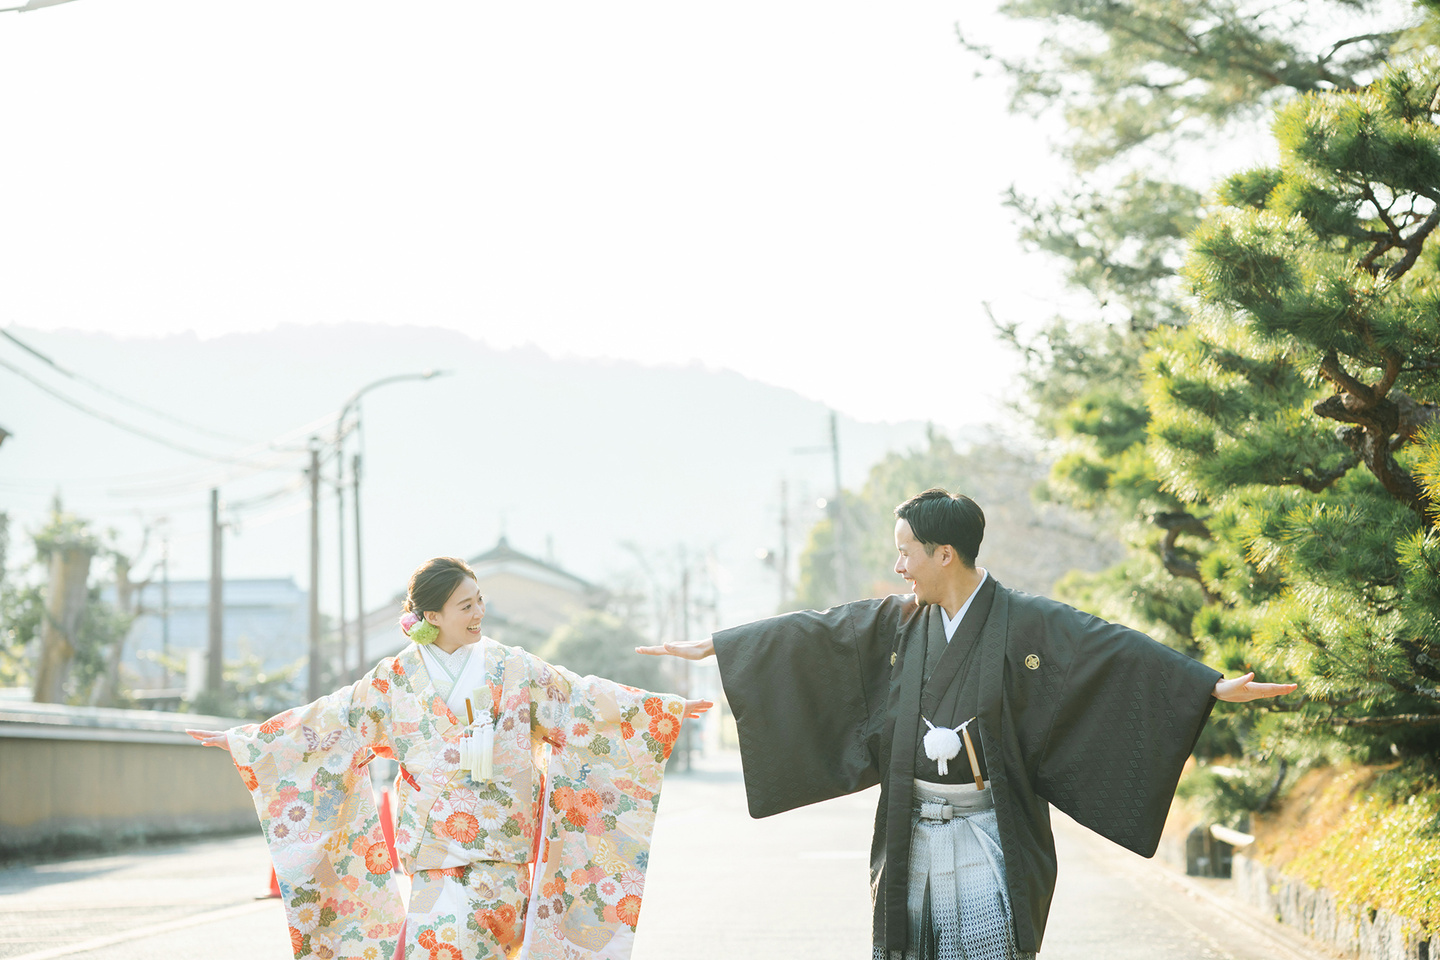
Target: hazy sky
[805,193]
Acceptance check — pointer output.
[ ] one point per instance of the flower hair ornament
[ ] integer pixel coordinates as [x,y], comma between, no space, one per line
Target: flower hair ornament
[421,631]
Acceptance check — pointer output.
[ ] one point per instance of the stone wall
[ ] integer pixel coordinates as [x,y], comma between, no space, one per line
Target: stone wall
[1354,932]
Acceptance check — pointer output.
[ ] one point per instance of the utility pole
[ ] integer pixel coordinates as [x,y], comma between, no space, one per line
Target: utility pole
[685,728]
[340,561]
[784,543]
[359,573]
[313,679]
[842,566]
[214,664]
[165,610]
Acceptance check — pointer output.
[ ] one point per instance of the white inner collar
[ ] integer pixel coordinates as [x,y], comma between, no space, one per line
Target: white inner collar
[451,666]
[952,625]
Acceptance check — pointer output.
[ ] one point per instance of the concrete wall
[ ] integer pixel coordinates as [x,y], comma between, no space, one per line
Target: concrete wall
[74,778]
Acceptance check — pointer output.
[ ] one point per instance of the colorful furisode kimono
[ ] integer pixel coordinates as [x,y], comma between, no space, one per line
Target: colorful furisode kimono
[476,848]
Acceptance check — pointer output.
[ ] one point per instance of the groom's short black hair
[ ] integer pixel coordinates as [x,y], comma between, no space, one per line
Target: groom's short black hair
[936,517]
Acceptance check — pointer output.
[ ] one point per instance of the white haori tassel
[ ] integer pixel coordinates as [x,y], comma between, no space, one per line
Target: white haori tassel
[477,753]
[942,744]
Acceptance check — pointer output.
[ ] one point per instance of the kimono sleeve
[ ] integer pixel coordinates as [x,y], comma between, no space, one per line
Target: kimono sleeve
[1129,715]
[802,688]
[608,748]
[305,769]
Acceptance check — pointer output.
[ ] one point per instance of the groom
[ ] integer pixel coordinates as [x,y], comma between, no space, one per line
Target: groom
[1068,710]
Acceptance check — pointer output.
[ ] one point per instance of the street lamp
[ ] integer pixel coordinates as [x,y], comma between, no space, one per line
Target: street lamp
[340,434]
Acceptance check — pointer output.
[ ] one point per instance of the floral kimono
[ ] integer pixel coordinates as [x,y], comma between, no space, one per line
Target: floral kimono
[476,848]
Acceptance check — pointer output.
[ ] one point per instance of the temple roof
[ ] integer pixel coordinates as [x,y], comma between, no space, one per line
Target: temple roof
[502,556]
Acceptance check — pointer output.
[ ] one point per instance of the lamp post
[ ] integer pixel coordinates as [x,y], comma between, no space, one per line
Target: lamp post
[341,432]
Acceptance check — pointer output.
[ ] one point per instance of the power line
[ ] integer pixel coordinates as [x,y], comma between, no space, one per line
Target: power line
[174,481]
[99,415]
[244,459]
[228,438]
[294,486]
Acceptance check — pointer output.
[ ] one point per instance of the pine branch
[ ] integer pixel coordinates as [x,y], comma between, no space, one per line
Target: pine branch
[1414,416]
[1413,246]
[1386,38]
[1175,524]
[1380,418]
[1317,480]
[1390,370]
[1391,721]
[1384,243]
[1358,395]
[1430,693]
[1423,664]
[1382,212]
[1275,787]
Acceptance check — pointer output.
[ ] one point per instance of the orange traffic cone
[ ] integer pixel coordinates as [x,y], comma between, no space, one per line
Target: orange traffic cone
[274,893]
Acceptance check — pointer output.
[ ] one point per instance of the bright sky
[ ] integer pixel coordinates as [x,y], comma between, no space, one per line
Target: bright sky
[804,192]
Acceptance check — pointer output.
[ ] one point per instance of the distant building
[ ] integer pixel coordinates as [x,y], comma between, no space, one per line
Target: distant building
[526,598]
[528,594]
[268,618]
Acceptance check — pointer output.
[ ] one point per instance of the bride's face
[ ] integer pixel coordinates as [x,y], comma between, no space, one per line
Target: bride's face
[459,621]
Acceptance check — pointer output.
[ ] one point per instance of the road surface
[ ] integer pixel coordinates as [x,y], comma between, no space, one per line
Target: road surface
[721,885]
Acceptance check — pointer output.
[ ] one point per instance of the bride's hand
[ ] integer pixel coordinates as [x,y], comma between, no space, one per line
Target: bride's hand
[693,708]
[212,738]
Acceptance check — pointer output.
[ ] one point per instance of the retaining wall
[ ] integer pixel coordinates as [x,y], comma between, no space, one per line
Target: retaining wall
[1366,934]
[77,778]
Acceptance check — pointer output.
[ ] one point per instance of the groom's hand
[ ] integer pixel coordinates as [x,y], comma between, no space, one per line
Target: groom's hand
[684,649]
[1245,688]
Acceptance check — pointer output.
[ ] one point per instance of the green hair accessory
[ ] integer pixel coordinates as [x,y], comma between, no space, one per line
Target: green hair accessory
[419,630]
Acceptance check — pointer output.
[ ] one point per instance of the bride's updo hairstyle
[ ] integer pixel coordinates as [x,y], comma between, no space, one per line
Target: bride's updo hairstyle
[432,583]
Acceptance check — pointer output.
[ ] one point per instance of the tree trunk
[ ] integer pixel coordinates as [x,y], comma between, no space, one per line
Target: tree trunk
[64,603]
[107,690]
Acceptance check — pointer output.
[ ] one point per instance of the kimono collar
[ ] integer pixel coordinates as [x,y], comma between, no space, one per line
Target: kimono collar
[451,666]
[422,685]
[952,625]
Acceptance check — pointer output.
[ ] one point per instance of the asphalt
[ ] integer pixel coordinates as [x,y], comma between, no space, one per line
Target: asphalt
[721,885]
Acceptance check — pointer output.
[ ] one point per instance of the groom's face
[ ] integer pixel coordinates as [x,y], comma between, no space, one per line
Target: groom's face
[921,569]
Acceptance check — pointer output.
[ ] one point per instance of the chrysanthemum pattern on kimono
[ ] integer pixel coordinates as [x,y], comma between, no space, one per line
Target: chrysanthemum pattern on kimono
[604,746]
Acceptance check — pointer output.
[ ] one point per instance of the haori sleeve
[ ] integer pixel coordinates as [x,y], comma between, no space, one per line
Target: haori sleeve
[305,770]
[1130,712]
[608,748]
[803,688]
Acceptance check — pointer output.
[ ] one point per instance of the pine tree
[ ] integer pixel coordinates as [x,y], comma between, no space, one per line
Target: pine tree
[1265,453]
[1298,411]
[1139,84]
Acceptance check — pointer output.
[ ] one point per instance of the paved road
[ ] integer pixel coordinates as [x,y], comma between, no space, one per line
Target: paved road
[721,886]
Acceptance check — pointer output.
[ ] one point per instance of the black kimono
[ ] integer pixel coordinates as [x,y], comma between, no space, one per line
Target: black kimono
[1090,716]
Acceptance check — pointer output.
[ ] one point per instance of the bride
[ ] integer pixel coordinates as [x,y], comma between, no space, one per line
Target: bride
[526,796]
